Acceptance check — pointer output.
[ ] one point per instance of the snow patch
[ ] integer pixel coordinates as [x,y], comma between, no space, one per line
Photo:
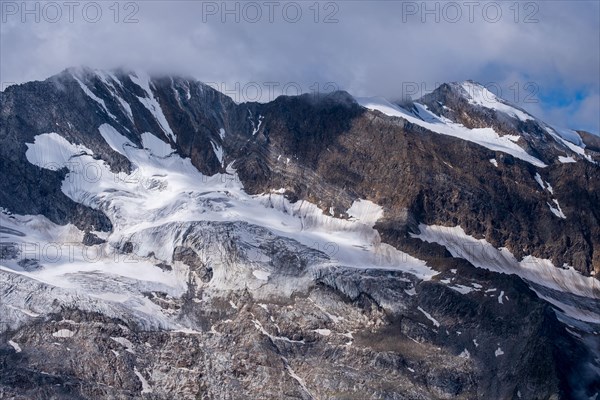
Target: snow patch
[150,102]
[485,137]
[261,275]
[52,151]
[569,135]
[429,317]
[297,378]
[484,255]
[92,96]
[462,289]
[108,79]
[566,160]
[146,388]
[125,343]
[572,141]
[218,152]
[114,139]
[15,346]
[556,210]
[479,95]
[156,146]
[542,272]
[260,328]
[538,179]
[255,127]
[366,212]
[63,333]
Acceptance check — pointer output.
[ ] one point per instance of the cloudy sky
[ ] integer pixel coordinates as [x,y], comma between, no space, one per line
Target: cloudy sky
[541,55]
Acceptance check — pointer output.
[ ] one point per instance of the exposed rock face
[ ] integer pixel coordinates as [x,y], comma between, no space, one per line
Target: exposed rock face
[349,335]
[433,178]
[338,153]
[201,298]
[592,142]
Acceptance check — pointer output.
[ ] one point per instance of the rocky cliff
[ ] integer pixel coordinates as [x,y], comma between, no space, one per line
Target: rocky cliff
[161,241]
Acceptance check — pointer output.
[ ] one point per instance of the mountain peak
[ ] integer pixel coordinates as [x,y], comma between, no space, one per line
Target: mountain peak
[190,218]
[85,73]
[481,95]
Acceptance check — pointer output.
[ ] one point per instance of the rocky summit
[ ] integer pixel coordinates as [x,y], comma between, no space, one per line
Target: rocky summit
[160,241]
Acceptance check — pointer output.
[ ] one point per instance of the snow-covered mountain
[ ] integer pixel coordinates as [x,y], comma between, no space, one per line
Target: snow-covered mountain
[470,112]
[159,240]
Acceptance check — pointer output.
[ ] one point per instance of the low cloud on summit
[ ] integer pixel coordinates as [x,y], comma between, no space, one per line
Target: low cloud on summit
[543,56]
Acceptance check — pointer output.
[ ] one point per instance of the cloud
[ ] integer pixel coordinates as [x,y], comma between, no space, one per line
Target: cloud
[365,47]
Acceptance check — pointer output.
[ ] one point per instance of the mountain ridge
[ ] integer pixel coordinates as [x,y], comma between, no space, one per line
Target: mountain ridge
[412,234]
[205,160]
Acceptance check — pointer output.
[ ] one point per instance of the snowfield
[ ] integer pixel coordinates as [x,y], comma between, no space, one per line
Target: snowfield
[485,137]
[478,95]
[165,188]
[166,204]
[157,207]
[539,272]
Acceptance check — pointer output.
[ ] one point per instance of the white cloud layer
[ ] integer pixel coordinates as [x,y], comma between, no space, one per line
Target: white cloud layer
[374,48]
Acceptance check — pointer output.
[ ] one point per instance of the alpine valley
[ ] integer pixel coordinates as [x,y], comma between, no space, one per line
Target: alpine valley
[160,241]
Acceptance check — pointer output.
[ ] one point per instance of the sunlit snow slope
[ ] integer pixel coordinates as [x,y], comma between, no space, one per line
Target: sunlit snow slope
[153,210]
